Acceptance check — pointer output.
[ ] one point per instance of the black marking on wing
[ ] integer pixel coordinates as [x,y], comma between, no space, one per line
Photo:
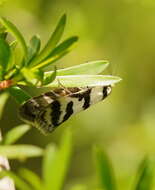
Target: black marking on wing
[69,111]
[83,95]
[55,106]
[86,99]
[77,95]
[51,94]
[105,92]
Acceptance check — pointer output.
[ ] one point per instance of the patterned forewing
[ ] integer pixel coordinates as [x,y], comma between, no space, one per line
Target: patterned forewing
[51,109]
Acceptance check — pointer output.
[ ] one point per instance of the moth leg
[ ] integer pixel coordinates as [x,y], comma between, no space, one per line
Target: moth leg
[63,87]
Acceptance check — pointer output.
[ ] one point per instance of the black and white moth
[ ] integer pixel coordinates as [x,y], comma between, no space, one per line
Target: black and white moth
[49,110]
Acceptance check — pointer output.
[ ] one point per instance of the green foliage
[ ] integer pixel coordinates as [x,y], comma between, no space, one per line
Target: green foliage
[84,80]
[79,187]
[105,170]
[14,134]
[144,178]
[33,48]
[10,27]
[58,52]
[19,94]
[30,71]
[51,44]
[54,174]
[50,77]
[20,151]
[3,99]
[55,165]
[89,68]
[31,178]
[4,56]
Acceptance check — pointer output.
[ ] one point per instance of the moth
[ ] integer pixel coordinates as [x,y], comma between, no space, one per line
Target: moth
[51,109]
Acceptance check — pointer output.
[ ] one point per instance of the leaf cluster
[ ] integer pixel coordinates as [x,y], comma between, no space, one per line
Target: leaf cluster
[30,68]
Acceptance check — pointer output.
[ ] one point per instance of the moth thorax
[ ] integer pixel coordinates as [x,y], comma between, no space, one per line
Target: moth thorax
[99,93]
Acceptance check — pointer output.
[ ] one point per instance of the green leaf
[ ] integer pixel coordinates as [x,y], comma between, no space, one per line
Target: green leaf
[18,181]
[32,179]
[12,62]
[32,77]
[105,170]
[3,35]
[64,47]
[56,170]
[58,52]
[79,187]
[1,73]
[48,162]
[12,72]
[4,54]
[84,80]
[90,68]
[15,32]
[34,48]
[14,134]
[20,95]
[51,44]
[50,77]
[3,99]
[144,176]
[20,151]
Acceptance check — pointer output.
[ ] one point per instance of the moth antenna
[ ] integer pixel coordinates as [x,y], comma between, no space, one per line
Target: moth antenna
[62,86]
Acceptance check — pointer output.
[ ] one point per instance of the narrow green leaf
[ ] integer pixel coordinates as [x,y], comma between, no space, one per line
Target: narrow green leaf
[4,53]
[56,173]
[90,68]
[32,178]
[33,48]
[84,80]
[51,44]
[11,62]
[14,134]
[1,73]
[20,151]
[50,77]
[12,72]
[32,77]
[79,187]
[58,52]
[20,95]
[64,47]
[3,35]
[144,176]
[48,162]
[13,44]
[18,181]
[15,32]
[3,99]
[105,170]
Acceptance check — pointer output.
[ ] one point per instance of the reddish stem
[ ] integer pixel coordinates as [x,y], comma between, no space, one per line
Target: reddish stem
[5,84]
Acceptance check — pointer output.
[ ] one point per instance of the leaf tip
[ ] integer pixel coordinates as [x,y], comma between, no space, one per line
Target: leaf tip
[63,19]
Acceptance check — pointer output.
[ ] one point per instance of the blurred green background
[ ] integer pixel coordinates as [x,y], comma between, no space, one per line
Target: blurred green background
[121,31]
